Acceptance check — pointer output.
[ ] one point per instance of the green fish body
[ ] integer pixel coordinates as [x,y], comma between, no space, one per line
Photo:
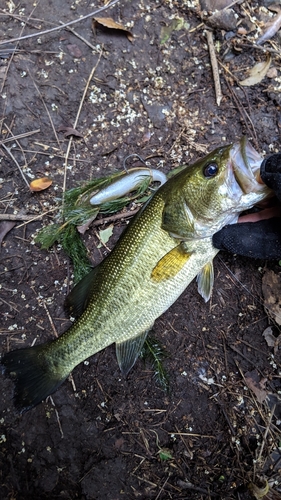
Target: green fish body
[163,249]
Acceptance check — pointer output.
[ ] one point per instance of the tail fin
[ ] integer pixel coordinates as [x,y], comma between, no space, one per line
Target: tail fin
[32,374]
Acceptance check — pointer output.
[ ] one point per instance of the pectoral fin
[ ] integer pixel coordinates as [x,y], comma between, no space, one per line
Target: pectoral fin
[170,265]
[205,281]
[128,352]
[79,297]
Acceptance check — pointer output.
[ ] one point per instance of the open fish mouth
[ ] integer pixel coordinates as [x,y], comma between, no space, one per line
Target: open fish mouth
[246,162]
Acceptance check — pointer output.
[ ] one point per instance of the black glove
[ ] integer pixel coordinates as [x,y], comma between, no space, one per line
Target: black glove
[262,239]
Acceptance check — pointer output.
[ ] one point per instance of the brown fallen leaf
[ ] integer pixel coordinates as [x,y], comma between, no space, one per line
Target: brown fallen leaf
[69,131]
[257,73]
[108,22]
[269,337]
[271,289]
[74,50]
[5,228]
[40,184]
[256,385]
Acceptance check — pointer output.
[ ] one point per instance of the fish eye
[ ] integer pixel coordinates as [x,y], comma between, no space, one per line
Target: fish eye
[210,170]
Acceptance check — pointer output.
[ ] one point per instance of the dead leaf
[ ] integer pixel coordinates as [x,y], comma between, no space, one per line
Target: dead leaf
[269,337]
[40,184]
[5,228]
[256,385]
[108,22]
[271,289]
[105,234]
[69,131]
[74,50]
[259,492]
[166,31]
[84,227]
[257,73]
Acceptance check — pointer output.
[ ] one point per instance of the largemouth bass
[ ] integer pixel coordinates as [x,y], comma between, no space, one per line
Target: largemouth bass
[166,245]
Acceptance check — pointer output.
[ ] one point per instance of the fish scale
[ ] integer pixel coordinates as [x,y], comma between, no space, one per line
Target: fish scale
[162,250]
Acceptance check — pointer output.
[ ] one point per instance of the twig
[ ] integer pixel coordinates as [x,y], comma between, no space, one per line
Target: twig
[39,33]
[53,155]
[37,217]
[270,32]
[214,64]
[20,136]
[77,118]
[266,432]
[17,142]
[17,164]
[71,380]
[241,109]
[24,19]
[113,218]
[258,47]
[14,51]
[57,415]
[17,217]
[47,111]
[101,242]
[80,37]
[231,4]
[50,319]
[163,486]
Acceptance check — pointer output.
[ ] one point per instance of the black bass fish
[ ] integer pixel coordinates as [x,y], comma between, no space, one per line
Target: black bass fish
[166,245]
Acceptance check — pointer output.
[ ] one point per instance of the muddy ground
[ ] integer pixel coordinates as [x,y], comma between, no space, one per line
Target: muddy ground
[101,436]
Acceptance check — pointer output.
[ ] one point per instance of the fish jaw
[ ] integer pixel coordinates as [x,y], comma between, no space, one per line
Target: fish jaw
[246,162]
[243,187]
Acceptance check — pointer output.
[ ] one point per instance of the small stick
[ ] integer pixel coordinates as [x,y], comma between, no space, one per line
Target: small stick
[266,432]
[15,217]
[270,32]
[50,319]
[101,242]
[214,64]
[47,111]
[17,164]
[71,379]
[80,37]
[36,217]
[115,217]
[18,217]
[39,33]
[13,53]
[17,142]
[20,136]
[77,118]
[163,486]
[57,415]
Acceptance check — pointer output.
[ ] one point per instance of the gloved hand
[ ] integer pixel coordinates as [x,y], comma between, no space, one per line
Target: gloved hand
[262,239]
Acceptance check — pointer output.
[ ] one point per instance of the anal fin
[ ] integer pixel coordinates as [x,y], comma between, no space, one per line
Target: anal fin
[205,281]
[127,352]
[171,264]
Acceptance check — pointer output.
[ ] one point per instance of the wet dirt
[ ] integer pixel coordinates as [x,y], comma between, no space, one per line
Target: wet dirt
[101,436]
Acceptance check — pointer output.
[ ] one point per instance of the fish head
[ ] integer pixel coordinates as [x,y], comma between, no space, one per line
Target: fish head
[213,191]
